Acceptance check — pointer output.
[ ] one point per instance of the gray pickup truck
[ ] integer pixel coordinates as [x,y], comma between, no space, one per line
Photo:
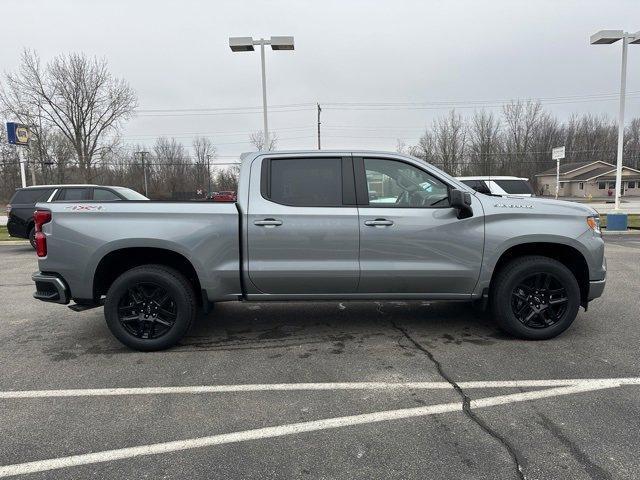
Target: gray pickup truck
[322,225]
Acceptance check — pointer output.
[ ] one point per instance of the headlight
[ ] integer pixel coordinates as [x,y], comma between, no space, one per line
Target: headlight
[594,223]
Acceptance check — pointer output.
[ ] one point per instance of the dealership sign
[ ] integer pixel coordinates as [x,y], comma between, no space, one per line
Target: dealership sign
[17,133]
[557,153]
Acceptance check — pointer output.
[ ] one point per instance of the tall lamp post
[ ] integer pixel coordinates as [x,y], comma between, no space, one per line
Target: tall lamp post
[246,44]
[606,37]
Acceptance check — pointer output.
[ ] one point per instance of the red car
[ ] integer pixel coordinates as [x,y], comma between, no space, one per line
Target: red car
[227,196]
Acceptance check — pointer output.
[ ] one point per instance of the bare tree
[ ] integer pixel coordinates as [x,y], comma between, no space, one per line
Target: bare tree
[425,149]
[171,168]
[485,143]
[227,179]
[632,144]
[204,151]
[75,94]
[257,140]
[450,136]
[401,146]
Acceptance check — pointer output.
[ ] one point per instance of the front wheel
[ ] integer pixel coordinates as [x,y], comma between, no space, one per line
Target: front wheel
[535,298]
[150,307]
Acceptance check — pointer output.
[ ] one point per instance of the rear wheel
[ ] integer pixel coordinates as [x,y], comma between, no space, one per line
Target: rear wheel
[535,298]
[150,307]
[32,237]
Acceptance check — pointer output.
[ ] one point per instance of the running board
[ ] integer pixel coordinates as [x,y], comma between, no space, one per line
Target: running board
[78,307]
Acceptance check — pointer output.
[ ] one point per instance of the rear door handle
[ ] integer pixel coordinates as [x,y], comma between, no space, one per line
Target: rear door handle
[378,222]
[268,222]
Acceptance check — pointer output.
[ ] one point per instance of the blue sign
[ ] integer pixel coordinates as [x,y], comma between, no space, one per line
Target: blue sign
[17,133]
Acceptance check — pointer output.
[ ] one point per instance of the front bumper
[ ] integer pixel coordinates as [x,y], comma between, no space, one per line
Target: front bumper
[50,288]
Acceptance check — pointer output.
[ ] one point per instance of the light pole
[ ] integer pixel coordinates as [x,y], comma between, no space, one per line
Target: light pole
[245,44]
[605,37]
[144,171]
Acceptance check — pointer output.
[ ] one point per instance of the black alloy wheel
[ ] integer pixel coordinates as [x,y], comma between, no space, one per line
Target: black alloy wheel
[147,310]
[534,297]
[150,307]
[539,301]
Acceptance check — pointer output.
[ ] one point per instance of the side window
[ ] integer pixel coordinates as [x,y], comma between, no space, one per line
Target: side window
[305,182]
[393,183]
[74,194]
[31,195]
[104,195]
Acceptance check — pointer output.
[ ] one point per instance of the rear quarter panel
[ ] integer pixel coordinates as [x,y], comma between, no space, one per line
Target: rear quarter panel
[206,234]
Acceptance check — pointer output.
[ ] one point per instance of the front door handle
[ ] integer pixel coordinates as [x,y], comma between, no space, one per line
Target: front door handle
[268,222]
[378,222]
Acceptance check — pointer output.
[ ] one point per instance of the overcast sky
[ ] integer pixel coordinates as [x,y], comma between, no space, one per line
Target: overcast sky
[176,56]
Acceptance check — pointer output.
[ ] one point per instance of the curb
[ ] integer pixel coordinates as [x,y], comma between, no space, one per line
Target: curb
[620,232]
[15,242]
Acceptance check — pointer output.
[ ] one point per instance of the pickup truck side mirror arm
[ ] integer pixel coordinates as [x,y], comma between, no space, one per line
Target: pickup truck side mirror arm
[461,201]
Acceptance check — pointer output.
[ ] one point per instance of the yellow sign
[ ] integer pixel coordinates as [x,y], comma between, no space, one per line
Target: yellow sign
[22,134]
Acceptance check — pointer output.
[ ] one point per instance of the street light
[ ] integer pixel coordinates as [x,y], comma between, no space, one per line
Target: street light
[606,37]
[245,44]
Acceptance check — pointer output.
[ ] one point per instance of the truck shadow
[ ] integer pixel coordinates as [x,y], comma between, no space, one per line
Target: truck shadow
[235,326]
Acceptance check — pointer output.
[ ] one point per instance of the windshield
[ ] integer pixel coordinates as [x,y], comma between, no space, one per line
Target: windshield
[129,194]
[515,186]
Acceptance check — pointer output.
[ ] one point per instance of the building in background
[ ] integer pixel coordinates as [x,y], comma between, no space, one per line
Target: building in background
[584,179]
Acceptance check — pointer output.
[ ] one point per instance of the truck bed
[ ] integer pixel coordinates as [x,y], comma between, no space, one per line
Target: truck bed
[206,234]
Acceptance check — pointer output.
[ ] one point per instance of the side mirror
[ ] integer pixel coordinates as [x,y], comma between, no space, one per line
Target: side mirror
[462,202]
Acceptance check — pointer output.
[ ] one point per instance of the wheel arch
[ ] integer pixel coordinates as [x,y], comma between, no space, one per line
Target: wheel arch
[118,261]
[566,254]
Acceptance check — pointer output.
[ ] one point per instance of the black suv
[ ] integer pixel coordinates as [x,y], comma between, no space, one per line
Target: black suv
[22,205]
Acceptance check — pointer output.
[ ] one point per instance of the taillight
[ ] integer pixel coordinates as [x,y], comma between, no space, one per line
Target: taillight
[40,217]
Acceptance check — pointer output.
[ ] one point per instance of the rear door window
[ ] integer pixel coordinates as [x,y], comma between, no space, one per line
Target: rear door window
[74,194]
[305,182]
[31,195]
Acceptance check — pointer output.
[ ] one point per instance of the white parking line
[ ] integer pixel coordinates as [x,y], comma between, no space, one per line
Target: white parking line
[296,428]
[277,387]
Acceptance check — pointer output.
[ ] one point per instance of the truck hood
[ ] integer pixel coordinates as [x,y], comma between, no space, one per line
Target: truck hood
[534,205]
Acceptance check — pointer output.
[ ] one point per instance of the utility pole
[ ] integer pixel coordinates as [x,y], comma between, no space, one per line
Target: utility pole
[209,173]
[319,123]
[144,171]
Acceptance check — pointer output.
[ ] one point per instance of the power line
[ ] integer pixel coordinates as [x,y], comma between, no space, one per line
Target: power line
[213,109]
[193,134]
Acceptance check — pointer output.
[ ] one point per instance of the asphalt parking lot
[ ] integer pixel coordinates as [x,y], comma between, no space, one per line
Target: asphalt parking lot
[323,390]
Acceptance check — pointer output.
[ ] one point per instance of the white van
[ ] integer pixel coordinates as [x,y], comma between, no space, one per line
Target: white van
[499,185]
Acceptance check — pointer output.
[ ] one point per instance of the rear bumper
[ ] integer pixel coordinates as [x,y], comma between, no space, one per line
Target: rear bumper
[596,287]
[50,288]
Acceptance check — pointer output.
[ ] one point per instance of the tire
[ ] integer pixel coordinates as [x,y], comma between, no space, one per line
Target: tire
[535,298]
[32,237]
[150,307]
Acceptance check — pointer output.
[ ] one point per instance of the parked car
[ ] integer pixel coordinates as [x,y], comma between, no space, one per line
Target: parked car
[500,185]
[20,208]
[304,228]
[225,196]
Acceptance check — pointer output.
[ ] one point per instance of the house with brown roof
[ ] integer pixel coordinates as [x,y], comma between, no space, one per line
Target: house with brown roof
[583,179]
